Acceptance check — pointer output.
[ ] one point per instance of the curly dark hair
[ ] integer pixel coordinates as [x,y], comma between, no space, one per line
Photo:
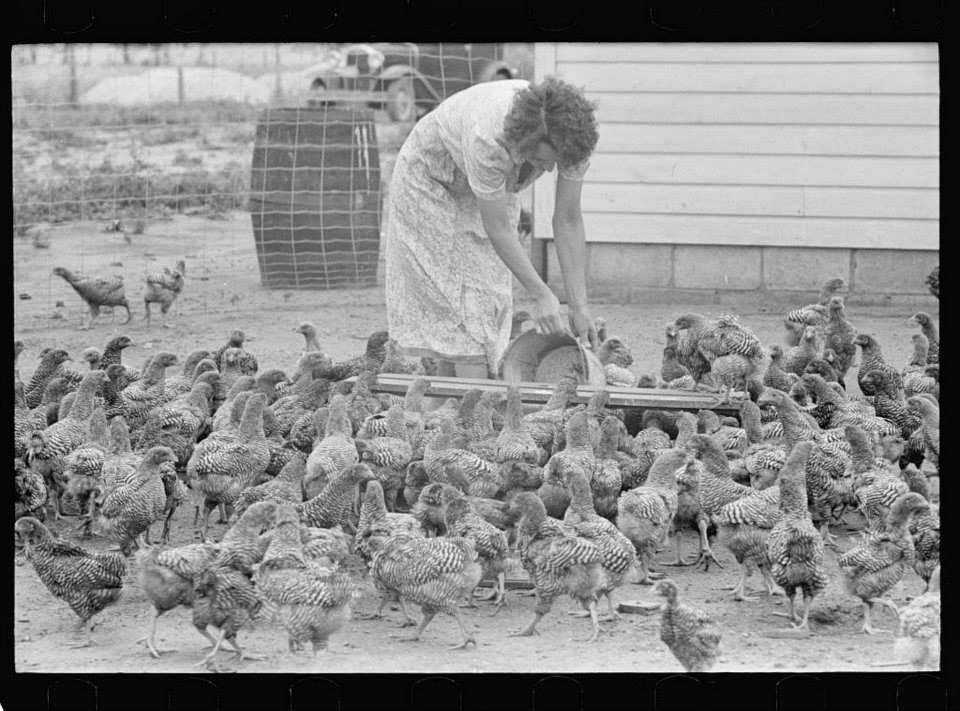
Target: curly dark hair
[556,112]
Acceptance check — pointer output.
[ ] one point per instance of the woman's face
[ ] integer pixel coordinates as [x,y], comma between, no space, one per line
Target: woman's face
[544,157]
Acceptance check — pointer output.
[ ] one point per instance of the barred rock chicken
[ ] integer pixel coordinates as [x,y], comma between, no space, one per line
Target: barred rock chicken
[376,521]
[578,453]
[224,464]
[30,492]
[227,599]
[933,282]
[619,557]
[371,359]
[874,567]
[514,442]
[839,335]
[743,527]
[874,488]
[129,509]
[762,460]
[140,397]
[435,573]
[872,359]
[163,288]
[925,530]
[918,639]
[796,359]
[287,486]
[490,543]
[49,367]
[616,358]
[179,423]
[606,480]
[336,450]
[557,561]
[890,404]
[544,424]
[88,582]
[83,467]
[309,601]
[929,414]
[388,456]
[412,408]
[25,421]
[690,634]
[812,314]
[441,453]
[246,361]
[48,449]
[181,383]
[428,509]
[915,378]
[775,376]
[645,513]
[227,414]
[689,328]
[794,548]
[335,504]
[96,292]
[361,402]
[834,410]
[929,328]
[309,333]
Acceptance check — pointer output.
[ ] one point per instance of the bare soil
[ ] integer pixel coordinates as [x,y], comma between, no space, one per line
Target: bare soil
[223,291]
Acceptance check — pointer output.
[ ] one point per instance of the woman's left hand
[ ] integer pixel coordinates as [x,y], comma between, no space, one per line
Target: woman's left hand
[582,325]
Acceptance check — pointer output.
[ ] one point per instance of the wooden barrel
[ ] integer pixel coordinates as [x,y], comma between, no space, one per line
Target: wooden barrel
[315,198]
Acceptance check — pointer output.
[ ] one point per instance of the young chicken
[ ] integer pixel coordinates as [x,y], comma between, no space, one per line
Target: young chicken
[690,634]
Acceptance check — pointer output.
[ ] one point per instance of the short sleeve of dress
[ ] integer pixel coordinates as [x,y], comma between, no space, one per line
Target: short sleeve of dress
[487,165]
[575,172]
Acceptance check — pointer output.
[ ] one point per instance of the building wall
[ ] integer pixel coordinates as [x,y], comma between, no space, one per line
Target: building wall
[755,166]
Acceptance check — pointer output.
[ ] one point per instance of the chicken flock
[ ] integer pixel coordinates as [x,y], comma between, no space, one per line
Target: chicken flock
[321,484]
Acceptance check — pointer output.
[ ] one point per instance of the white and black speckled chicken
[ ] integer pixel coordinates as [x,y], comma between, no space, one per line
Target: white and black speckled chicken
[287,486]
[871,358]
[871,569]
[918,639]
[441,453]
[691,635]
[128,510]
[375,520]
[50,366]
[334,506]
[335,451]
[88,582]
[309,601]
[929,414]
[30,492]
[228,600]
[794,548]
[929,328]
[619,556]
[246,362]
[489,542]
[558,562]
[435,573]
[388,455]
[139,398]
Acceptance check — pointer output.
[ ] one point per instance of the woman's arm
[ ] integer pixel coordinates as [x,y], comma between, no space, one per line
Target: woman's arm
[569,239]
[495,215]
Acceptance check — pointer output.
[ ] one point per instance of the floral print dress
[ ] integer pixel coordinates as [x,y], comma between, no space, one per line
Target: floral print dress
[448,293]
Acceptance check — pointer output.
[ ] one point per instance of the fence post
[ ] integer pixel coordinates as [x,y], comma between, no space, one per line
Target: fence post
[278,90]
[73,74]
[180,90]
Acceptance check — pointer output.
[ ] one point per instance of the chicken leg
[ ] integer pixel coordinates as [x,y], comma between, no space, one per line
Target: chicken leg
[706,553]
[150,639]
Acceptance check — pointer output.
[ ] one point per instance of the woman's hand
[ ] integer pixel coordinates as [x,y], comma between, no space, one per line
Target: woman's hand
[547,316]
[582,325]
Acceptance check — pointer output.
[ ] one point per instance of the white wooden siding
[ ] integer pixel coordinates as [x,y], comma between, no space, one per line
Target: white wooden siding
[827,145]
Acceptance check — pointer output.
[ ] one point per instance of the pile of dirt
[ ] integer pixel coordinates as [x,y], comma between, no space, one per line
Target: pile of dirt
[161,85]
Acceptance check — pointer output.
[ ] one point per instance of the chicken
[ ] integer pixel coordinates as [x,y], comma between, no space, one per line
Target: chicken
[932,333]
[606,480]
[48,449]
[619,557]
[412,408]
[775,376]
[743,526]
[179,423]
[376,521]
[925,531]
[361,402]
[796,359]
[794,549]
[246,362]
[690,634]
[918,639]
[128,510]
[309,601]
[50,367]
[833,410]
[514,442]
[227,599]
[140,397]
[335,504]
[691,327]
[543,424]
[871,569]
[616,358]
[915,378]
[874,489]
[578,453]
[30,492]
[557,561]
[762,460]
[287,486]
[441,454]
[645,513]
[309,333]
[88,582]
[933,282]
[372,359]
[83,467]
[490,543]
[223,466]
[671,369]
[388,456]
[335,451]
[181,383]
[872,359]
[434,573]
[839,335]
[929,415]
[812,314]
[890,404]
[96,292]
[163,288]
[25,421]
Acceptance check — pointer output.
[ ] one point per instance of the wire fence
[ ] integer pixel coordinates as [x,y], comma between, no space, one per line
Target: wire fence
[266,162]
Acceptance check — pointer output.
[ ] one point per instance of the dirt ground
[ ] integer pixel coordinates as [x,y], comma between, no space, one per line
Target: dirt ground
[223,291]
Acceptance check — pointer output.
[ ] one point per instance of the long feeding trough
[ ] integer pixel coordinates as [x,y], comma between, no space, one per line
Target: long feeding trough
[315,198]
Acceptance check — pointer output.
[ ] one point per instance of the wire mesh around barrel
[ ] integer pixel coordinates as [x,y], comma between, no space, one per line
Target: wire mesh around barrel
[315,198]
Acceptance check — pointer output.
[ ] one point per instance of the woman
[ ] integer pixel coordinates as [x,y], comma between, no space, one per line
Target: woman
[452,245]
